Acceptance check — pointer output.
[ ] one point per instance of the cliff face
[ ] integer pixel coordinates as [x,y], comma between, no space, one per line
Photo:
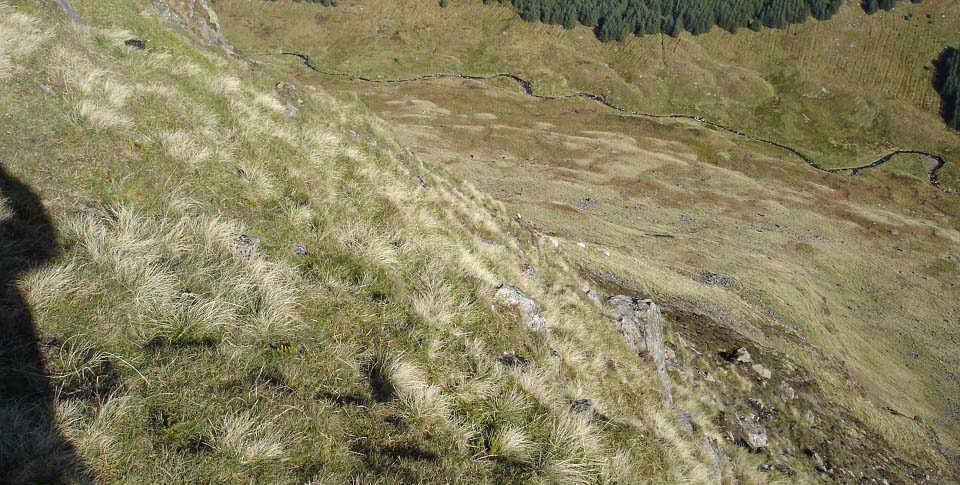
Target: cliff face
[196,16]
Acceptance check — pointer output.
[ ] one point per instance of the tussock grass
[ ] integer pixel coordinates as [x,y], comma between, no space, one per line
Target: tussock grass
[183,349]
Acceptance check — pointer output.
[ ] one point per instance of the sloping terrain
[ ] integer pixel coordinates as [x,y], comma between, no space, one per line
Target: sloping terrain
[848,284]
[223,267]
[213,274]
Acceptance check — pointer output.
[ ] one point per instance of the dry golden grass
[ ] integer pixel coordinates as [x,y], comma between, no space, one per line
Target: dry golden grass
[184,353]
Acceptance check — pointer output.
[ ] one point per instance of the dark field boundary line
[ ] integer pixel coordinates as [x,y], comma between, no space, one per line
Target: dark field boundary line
[936,161]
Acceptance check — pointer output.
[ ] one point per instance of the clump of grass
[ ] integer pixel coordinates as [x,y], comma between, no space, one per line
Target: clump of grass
[248,440]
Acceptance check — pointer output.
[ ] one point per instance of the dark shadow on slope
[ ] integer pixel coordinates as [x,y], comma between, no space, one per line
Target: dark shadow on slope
[32,450]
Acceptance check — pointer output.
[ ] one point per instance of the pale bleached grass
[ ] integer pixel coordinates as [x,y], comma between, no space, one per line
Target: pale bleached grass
[101,116]
[248,296]
[20,36]
[183,146]
[421,399]
[47,287]
[513,444]
[261,183]
[248,440]
[373,246]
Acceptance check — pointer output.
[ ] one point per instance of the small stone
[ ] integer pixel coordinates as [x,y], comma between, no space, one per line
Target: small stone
[894,232]
[762,371]
[585,288]
[512,360]
[136,43]
[669,353]
[810,416]
[291,111]
[245,245]
[786,392]
[47,89]
[299,249]
[581,245]
[582,406]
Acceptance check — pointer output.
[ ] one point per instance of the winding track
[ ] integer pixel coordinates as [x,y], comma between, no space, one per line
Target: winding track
[937,162]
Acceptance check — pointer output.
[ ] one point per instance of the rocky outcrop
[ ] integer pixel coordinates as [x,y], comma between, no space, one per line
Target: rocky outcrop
[641,324]
[195,16]
[751,432]
[529,308]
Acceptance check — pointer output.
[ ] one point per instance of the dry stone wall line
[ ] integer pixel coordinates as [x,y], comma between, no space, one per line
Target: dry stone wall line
[936,161]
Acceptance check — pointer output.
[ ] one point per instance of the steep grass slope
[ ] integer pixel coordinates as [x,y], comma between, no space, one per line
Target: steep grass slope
[849,286]
[212,275]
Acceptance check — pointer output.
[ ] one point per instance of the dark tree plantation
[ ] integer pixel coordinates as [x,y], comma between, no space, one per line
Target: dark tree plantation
[615,19]
[947,82]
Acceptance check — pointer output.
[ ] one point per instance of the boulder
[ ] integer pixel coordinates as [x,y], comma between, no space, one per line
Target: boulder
[762,371]
[641,324]
[751,433]
[529,308]
[743,356]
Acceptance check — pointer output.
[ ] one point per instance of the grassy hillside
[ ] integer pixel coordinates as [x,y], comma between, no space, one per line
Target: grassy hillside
[850,283]
[225,268]
[213,277]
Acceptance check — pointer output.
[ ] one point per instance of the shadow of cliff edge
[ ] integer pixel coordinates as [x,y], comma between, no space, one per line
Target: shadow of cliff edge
[32,449]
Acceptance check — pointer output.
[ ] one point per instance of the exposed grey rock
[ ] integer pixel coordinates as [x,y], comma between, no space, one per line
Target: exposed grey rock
[713,453]
[299,249]
[684,419]
[761,371]
[196,16]
[810,416]
[586,203]
[245,245]
[582,406]
[751,432]
[716,279]
[642,327]
[555,357]
[529,308]
[786,392]
[290,111]
[47,89]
